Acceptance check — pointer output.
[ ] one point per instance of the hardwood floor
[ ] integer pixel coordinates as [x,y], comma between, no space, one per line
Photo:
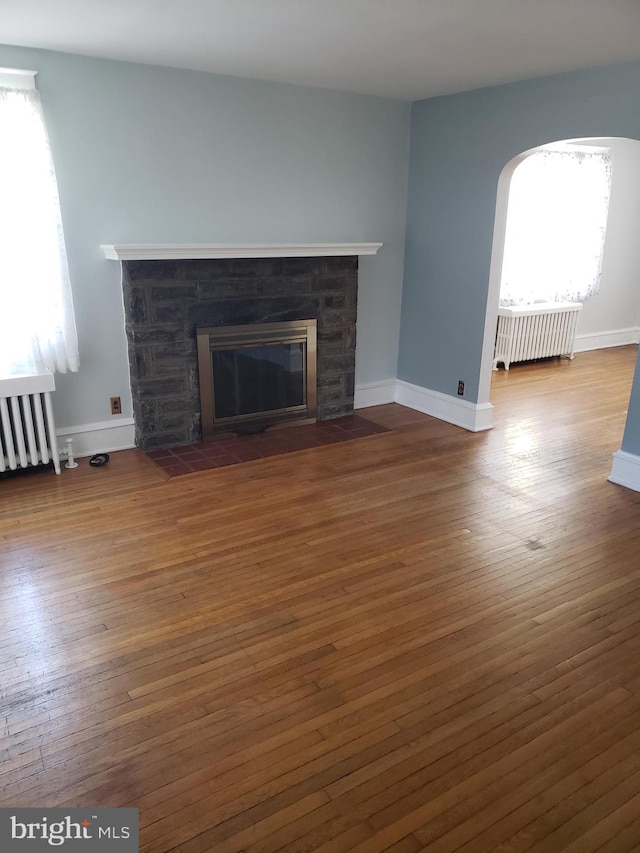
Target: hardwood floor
[422,640]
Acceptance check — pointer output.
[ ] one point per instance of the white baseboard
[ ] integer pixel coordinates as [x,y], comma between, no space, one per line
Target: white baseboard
[107,436]
[603,340]
[472,416]
[625,470]
[375,394]
[100,437]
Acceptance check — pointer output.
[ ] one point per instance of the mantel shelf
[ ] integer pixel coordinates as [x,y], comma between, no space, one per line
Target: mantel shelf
[202,251]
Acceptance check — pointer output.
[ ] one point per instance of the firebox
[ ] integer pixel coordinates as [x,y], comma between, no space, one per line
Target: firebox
[257,376]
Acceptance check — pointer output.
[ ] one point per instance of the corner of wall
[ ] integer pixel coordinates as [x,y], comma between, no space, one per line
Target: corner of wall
[475,417]
[625,470]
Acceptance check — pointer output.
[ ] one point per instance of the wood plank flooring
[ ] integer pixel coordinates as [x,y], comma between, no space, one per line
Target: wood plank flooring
[422,640]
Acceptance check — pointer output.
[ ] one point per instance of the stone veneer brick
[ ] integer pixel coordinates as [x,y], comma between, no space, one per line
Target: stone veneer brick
[166,301]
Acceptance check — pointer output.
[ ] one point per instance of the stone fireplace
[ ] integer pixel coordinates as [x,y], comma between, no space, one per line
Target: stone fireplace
[169,293]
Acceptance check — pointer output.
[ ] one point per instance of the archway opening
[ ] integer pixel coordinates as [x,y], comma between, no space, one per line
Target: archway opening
[613,317]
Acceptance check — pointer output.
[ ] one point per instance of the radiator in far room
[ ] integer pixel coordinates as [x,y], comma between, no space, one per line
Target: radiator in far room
[27,428]
[536,331]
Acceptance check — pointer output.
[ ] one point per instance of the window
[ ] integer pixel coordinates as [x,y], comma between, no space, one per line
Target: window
[38,327]
[556,226]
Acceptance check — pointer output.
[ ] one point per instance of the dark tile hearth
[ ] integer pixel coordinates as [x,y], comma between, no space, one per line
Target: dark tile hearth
[219,452]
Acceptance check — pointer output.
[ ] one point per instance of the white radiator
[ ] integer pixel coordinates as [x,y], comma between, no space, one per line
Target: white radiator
[27,428]
[536,331]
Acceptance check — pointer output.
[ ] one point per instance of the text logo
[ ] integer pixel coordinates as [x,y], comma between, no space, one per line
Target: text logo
[69,829]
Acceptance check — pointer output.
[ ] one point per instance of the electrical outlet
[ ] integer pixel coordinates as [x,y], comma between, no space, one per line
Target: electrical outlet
[460,388]
[116,406]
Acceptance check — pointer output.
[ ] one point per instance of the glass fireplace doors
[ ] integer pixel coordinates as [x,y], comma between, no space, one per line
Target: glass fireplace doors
[256,376]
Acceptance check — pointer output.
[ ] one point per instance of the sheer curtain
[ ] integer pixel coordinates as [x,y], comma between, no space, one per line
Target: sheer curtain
[36,309]
[556,226]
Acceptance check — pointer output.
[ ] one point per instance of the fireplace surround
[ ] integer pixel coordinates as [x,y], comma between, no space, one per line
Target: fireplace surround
[169,295]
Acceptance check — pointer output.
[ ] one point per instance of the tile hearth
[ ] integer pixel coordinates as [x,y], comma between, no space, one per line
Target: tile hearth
[223,451]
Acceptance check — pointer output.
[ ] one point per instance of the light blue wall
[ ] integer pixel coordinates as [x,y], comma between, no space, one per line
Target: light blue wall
[146,154]
[459,146]
[631,438]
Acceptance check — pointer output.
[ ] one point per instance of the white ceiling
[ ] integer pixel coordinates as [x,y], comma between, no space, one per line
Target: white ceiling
[407,49]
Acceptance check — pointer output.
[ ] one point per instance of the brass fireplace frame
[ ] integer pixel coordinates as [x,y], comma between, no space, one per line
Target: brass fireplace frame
[255,334]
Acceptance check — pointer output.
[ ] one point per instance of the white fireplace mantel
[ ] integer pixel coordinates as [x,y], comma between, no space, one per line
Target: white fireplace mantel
[202,251]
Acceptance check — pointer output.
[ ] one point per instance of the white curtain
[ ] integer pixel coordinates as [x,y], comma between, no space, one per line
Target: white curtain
[38,330]
[556,227]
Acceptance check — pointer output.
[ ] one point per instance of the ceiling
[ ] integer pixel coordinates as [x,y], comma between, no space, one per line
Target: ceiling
[407,49]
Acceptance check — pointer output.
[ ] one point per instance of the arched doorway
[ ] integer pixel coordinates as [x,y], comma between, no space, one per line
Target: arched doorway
[495,275]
